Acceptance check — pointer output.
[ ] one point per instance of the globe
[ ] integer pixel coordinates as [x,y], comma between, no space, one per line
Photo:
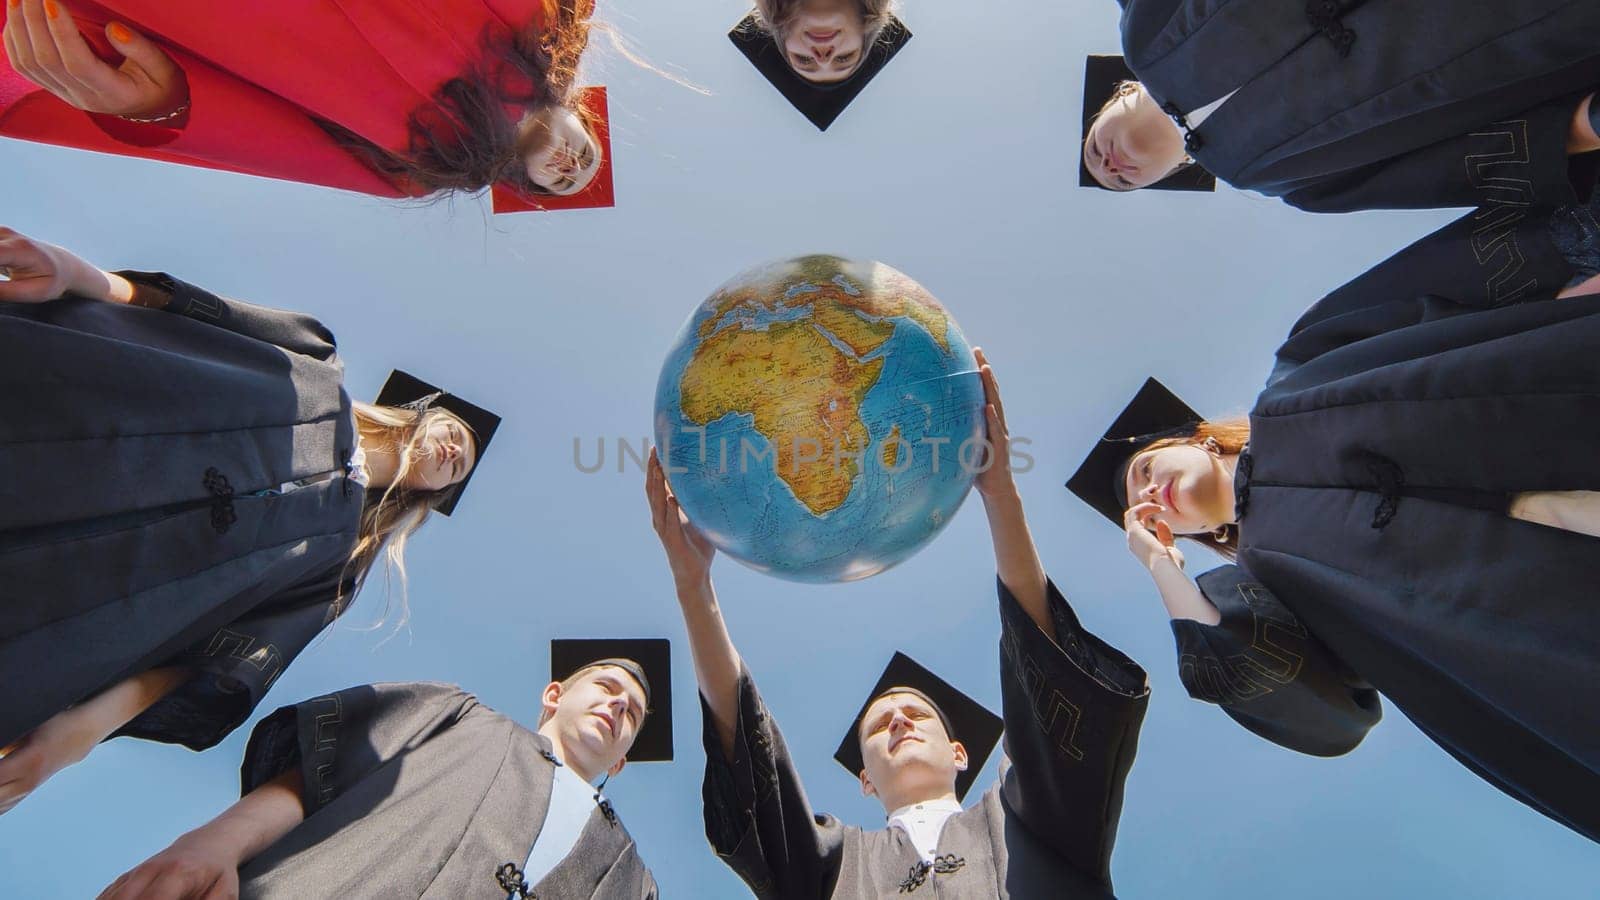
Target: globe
[821,419]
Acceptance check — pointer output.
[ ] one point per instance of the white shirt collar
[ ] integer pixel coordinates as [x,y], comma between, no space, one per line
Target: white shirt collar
[922,822]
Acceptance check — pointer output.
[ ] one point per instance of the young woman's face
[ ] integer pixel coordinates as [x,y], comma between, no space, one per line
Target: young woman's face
[826,41]
[1132,144]
[1188,481]
[564,157]
[444,456]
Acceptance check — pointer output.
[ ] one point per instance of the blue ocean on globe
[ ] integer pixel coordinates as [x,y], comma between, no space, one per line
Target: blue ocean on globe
[821,418]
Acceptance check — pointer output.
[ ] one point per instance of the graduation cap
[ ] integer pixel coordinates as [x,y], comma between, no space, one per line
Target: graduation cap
[601,191]
[965,719]
[821,103]
[650,661]
[1153,413]
[1101,75]
[405,389]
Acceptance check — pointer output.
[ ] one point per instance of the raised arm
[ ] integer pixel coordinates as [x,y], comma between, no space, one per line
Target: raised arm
[1015,557]
[39,272]
[70,735]
[689,555]
[1073,704]
[757,817]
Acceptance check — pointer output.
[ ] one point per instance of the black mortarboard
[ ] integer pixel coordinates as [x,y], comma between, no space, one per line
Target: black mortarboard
[1153,413]
[965,719]
[650,661]
[821,103]
[1101,75]
[405,389]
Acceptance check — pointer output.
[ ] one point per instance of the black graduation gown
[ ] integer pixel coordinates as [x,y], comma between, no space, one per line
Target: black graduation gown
[1376,551]
[1045,829]
[1493,256]
[1432,103]
[131,539]
[417,790]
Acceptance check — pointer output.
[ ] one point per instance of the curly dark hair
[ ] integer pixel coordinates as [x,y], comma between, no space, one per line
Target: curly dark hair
[464,140]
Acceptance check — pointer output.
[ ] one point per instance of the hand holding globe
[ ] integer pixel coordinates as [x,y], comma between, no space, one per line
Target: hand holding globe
[994,479]
[820,419]
[689,554]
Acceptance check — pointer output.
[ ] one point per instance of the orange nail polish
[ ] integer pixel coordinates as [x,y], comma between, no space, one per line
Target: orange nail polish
[13,3]
[120,33]
[51,9]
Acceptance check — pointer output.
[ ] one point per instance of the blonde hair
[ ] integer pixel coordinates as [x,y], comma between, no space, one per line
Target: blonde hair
[776,17]
[391,515]
[1231,437]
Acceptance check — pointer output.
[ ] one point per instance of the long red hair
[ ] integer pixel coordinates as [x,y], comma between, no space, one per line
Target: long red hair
[466,140]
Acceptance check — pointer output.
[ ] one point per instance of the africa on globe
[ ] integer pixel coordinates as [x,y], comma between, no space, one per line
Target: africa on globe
[821,419]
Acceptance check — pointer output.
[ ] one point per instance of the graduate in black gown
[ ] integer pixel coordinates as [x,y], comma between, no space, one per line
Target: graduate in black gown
[1413,508]
[1347,104]
[193,498]
[1073,706]
[418,790]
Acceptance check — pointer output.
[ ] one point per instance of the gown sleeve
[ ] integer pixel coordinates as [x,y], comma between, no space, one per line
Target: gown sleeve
[1072,708]
[1485,259]
[295,332]
[1269,674]
[1521,162]
[757,816]
[235,666]
[338,739]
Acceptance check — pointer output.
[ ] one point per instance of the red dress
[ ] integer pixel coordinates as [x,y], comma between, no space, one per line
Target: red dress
[259,72]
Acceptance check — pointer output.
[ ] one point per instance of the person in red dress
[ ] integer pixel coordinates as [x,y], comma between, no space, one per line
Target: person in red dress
[395,98]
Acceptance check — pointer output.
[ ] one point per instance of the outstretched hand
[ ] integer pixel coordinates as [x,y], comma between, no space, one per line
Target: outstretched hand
[1150,540]
[995,480]
[689,553]
[36,272]
[61,741]
[190,869]
[44,45]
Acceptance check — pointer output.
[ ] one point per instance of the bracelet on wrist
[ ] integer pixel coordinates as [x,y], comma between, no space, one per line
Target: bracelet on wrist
[157,120]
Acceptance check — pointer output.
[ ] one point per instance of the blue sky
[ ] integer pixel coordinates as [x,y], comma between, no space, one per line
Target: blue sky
[957,166]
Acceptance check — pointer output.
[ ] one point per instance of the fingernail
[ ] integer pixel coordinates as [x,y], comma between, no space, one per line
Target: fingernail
[51,9]
[120,33]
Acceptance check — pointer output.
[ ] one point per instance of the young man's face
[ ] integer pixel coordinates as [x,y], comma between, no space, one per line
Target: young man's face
[597,717]
[909,757]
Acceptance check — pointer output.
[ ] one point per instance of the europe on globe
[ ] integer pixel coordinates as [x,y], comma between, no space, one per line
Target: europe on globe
[821,419]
